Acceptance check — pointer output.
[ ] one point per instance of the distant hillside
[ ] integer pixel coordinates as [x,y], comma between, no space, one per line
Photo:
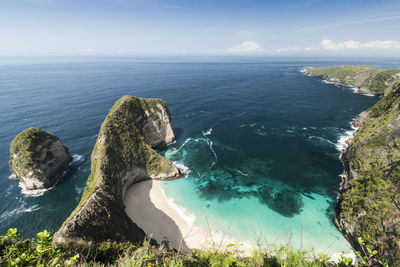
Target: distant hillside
[368,79]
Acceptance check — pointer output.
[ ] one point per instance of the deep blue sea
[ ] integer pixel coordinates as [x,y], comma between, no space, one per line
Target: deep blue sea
[260,139]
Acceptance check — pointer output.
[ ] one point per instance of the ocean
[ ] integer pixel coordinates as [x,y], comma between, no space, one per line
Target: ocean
[260,140]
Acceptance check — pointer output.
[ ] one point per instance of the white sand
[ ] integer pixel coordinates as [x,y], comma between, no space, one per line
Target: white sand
[161,219]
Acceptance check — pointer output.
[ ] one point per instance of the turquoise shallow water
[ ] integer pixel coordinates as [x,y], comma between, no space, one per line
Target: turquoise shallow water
[261,140]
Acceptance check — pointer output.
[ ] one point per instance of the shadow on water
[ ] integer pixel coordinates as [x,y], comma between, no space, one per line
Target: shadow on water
[178,132]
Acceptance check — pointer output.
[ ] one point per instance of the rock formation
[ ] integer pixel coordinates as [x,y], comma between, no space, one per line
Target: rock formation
[369,204]
[38,158]
[123,155]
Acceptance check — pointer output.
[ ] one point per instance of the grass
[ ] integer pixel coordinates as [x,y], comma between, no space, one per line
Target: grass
[15,251]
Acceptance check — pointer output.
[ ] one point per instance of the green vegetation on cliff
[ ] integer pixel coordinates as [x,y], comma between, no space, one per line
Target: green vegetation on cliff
[120,157]
[22,149]
[369,208]
[376,80]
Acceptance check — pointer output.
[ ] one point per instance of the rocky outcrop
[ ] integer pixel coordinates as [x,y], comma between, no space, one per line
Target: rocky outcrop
[369,204]
[123,155]
[38,158]
[367,79]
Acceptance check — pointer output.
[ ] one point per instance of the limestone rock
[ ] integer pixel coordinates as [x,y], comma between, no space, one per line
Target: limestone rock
[122,155]
[38,158]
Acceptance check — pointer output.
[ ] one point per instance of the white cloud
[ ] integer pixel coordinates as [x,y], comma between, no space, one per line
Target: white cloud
[312,48]
[350,44]
[288,49]
[245,47]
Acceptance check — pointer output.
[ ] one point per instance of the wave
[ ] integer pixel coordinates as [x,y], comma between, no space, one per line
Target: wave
[210,144]
[208,132]
[174,150]
[243,173]
[341,144]
[182,167]
[17,211]
[324,140]
[32,192]
[183,212]
[206,139]
[77,160]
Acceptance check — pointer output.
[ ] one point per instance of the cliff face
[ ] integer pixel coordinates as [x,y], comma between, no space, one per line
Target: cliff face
[122,155]
[368,79]
[369,206]
[38,158]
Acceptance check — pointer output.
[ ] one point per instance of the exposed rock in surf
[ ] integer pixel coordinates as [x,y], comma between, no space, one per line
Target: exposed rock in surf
[38,158]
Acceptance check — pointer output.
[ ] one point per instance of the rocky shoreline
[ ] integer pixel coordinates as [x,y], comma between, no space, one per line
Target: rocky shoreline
[337,82]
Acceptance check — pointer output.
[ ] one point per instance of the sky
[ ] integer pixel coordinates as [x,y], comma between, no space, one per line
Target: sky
[200,27]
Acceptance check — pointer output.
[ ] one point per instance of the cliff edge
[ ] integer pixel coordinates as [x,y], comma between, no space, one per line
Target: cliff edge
[369,204]
[123,155]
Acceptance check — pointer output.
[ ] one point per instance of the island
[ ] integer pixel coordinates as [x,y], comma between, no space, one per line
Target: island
[38,158]
[123,155]
[365,78]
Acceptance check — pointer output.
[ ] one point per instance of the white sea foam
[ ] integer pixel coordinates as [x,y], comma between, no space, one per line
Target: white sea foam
[17,211]
[341,144]
[32,192]
[243,173]
[324,140]
[188,217]
[208,132]
[210,144]
[182,167]
[77,159]
[12,177]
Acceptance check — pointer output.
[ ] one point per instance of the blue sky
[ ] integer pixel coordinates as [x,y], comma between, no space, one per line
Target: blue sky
[200,27]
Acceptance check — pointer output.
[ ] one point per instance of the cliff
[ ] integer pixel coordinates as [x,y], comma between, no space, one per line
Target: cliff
[368,79]
[369,204]
[122,155]
[38,158]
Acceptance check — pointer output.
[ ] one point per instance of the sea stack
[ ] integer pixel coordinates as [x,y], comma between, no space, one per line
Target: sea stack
[38,158]
[123,155]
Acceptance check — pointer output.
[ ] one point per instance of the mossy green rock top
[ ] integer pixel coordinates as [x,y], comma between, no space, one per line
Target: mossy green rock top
[38,158]
[369,206]
[368,79]
[123,155]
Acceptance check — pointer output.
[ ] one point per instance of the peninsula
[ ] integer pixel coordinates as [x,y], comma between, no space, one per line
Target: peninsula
[123,155]
[365,78]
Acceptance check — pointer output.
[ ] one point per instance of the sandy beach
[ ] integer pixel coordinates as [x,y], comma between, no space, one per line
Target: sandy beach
[160,218]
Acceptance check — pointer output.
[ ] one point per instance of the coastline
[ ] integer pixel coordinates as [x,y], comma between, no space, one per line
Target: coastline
[345,184]
[337,82]
[161,219]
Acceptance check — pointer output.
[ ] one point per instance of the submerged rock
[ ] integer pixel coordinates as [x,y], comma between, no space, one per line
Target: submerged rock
[38,158]
[123,155]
